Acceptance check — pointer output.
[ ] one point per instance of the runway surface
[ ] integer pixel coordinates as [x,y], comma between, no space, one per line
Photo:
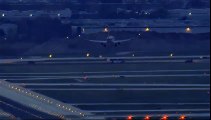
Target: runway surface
[141,86]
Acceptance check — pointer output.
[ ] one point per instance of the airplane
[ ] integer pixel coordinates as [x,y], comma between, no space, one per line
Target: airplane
[111,41]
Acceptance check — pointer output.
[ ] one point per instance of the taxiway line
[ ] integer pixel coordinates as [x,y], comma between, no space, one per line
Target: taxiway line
[105,72]
[110,85]
[163,110]
[97,58]
[95,104]
[107,76]
[121,89]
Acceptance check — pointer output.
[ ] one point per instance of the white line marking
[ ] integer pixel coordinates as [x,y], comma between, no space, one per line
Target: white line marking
[105,72]
[122,89]
[117,104]
[104,76]
[108,76]
[12,61]
[164,110]
[110,85]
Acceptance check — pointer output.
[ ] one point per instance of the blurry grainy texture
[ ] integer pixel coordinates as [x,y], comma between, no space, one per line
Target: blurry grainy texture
[105,59]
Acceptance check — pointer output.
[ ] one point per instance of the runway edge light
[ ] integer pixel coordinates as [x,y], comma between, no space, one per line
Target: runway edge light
[147,117]
[183,117]
[165,117]
[130,117]
[50,56]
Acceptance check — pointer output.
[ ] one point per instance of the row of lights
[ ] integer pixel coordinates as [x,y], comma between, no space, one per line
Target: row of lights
[100,56]
[38,97]
[30,15]
[70,37]
[146,13]
[4,114]
[165,117]
[50,113]
[87,55]
[148,29]
[133,55]
[187,30]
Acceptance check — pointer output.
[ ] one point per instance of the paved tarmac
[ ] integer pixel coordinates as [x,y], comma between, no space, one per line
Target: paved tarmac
[118,90]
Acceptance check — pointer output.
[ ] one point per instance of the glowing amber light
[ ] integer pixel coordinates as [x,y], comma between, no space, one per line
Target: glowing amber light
[182,117]
[188,30]
[130,117]
[147,29]
[147,118]
[165,117]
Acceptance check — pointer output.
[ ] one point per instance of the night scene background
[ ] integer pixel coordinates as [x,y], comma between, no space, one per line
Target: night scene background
[105,59]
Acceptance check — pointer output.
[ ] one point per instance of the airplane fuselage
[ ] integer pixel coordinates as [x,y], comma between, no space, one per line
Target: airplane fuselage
[110,40]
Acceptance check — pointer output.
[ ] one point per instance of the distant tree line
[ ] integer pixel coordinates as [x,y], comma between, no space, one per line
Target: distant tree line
[39,30]
[42,29]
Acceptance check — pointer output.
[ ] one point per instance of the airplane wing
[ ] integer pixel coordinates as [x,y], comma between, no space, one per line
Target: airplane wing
[121,41]
[97,41]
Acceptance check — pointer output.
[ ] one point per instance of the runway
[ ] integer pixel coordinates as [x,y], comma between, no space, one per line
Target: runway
[101,60]
[140,86]
[113,85]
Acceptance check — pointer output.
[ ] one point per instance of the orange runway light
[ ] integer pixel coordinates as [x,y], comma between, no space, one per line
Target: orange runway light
[130,117]
[182,117]
[147,118]
[165,117]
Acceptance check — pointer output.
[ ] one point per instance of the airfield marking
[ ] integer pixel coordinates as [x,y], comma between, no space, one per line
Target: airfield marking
[117,104]
[114,85]
[121,89]
[109,76]
[189,115]
[5,61]
[69,78]
[19,109]
[105,72]
[163,110]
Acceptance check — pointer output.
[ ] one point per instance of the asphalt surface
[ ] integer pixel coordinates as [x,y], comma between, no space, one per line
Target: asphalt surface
[21,111]
[118,90]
